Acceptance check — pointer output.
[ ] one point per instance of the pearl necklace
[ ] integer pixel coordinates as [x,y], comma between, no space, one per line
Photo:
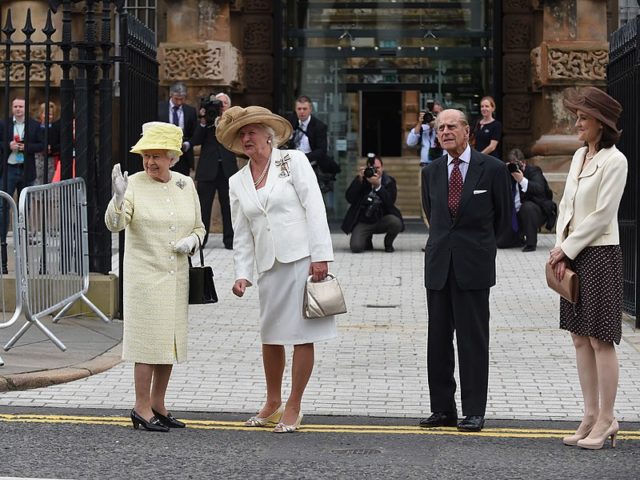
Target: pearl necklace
[262,175]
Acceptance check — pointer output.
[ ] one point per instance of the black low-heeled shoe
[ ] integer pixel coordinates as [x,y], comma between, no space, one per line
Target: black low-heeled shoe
[168,420]
[152,425]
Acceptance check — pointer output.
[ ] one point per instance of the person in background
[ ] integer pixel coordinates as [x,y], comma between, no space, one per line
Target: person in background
[18,165]
[424,134]
[372,196]
[52,154]
[215,166]
[177,112]
[588,242]
[160,213]
[465,195]
[487,133]
[281,226]
[533,204]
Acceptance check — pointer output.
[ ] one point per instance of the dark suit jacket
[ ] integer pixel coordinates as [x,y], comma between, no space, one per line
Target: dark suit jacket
[317,134]
[34,144]
[185,164]
[210,152]
[538,192]
[469,242]
[357,194]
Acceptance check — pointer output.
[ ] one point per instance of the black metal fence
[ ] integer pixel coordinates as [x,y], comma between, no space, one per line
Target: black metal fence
[624,84]
[84,58]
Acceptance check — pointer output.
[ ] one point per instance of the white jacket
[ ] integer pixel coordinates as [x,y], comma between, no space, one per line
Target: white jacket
[588,211]
[293,223]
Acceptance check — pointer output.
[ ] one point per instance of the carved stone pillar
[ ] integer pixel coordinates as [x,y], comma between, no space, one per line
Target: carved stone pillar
[198,50]
[573,52]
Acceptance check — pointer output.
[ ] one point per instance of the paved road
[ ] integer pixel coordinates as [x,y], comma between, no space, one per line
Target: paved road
[102,445]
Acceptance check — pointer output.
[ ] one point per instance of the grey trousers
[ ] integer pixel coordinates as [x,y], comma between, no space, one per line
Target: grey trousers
[362,232]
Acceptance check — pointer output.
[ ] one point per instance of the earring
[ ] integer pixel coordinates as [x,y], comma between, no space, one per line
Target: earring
[269,140]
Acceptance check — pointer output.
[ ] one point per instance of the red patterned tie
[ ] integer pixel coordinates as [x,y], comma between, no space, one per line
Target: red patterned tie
[455,188]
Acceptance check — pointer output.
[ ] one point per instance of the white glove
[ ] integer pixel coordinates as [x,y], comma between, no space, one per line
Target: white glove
[186,244]
[119,184]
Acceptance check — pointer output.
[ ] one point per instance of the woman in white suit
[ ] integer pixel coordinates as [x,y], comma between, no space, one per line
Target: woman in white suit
[280,224]
[587,240]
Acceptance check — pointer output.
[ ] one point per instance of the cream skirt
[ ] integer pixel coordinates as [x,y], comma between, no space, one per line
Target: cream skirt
[281,322]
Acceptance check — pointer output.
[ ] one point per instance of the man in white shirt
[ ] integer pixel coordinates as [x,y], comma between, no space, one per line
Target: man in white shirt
[424,134]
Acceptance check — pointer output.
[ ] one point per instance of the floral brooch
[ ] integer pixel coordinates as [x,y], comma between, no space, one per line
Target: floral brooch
[181,184]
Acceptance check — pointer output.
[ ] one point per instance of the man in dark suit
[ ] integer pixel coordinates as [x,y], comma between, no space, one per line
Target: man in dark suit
[465,195]
[532,205]
[215,167]
[179,113]
[309,133]
[18,165]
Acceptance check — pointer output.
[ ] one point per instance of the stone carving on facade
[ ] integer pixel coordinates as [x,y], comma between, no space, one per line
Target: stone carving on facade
[517,32]
[258,74]
[516,6]
[257,5]
[257,35]
[569,63]
[517,112]
[516,73]
[36,72]
[207,62]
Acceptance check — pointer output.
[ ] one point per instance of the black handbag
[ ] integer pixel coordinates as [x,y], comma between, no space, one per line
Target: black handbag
[201,286]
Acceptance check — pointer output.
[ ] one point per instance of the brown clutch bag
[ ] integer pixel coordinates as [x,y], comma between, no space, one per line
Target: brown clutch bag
[568,288]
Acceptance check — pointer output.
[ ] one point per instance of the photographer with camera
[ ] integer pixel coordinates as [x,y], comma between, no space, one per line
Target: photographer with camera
[215,166]
[184,116]
[424,134]
[533,204]
[372,195]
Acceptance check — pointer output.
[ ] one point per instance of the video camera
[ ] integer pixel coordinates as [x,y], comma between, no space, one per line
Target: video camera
[212,107]
[370,170]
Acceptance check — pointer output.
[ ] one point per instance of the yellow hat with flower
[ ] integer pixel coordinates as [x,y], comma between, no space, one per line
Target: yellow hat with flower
[159,136]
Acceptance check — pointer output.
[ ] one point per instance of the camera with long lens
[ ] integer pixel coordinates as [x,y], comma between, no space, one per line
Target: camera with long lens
[212,107]
[513,167]
[428,118]
[370,170]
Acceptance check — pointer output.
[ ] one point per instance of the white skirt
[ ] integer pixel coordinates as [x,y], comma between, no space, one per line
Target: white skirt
[281,290]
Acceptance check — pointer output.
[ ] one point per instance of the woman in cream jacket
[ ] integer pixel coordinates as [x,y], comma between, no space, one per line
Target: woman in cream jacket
[588,242]
[280,224]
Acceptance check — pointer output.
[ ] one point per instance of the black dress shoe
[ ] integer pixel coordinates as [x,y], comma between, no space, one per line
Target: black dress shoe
[440,419]
[389,249]
[153,425]
[471,423]
[168,420]
[529,248]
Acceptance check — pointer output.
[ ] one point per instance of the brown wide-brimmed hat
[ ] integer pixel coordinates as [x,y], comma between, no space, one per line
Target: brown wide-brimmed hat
[237,117]
[595,103]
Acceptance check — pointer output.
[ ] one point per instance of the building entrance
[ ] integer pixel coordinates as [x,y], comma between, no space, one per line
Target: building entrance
[381,123]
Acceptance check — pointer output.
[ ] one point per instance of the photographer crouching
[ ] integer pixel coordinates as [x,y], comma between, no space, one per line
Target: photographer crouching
[372,195]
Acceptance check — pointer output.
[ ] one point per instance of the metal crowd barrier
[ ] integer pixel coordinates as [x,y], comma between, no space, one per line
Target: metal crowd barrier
[7,201]
[52,255]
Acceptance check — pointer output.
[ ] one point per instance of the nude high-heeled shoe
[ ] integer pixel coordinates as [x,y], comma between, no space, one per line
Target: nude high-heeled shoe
[597,443]
[282,428]
[272,419]
[572,440]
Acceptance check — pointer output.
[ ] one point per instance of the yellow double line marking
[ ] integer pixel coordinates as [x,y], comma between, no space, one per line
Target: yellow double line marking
[318,428]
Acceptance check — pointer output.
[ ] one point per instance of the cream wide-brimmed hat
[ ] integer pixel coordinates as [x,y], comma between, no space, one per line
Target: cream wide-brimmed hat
[237,117]
[159,136]
[595,103]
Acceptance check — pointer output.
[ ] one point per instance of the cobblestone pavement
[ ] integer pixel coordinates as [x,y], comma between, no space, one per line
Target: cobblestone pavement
[377,365]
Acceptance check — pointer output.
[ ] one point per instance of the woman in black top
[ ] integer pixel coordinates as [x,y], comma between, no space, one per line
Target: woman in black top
[488,131]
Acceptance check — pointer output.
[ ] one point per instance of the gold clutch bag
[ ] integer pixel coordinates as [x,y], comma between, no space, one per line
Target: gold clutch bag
[322,299]
[568,288]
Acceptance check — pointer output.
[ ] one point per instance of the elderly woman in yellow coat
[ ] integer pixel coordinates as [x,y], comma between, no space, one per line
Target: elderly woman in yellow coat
[281,226]
[160,213]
